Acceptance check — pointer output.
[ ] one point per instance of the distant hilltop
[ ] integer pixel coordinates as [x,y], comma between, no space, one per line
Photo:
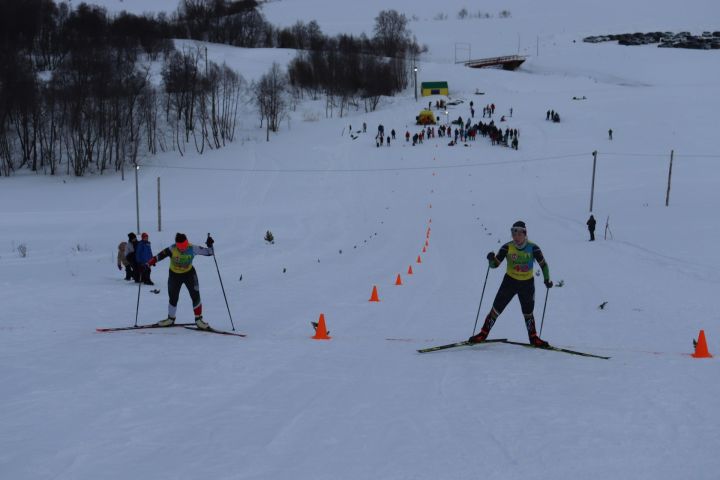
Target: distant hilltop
[705,41]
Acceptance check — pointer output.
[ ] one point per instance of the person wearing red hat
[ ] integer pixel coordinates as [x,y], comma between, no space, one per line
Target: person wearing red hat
[182,273]
[520,254]
[143,253]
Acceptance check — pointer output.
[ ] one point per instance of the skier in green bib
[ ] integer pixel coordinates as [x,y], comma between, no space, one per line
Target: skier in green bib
[520,255]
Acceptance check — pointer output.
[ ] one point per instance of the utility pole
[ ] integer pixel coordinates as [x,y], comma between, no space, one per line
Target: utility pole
[137,199]
[592,188]
[415,70]
[159,208]
[667,195]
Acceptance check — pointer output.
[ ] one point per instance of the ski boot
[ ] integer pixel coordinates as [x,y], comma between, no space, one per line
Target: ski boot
[479,338]
[168,322]
[201,324]
[536,341]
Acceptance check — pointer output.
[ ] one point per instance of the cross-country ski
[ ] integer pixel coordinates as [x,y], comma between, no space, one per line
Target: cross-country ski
[219,332]
[140,327]
[458,344]
[557,349]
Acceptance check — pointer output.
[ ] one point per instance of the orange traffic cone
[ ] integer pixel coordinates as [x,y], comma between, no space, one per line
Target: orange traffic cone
[374,295]
[410,272]
[321,332]
[701,349]
[426,243]
[398,280]
[424,249]
[419,260]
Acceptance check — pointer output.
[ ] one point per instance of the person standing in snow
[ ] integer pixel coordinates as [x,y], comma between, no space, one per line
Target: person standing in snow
[182,273]
[130,256]
[143,253]
[610,134]
[122,261]
[520,254]
[591,227]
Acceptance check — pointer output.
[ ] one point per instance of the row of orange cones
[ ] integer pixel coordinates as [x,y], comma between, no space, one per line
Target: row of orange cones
[321,332]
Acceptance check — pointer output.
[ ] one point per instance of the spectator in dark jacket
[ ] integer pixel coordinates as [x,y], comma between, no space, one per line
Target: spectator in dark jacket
[130,256]
[591,227]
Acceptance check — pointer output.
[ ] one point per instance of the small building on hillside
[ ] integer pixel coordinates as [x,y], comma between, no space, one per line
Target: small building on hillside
[434,88]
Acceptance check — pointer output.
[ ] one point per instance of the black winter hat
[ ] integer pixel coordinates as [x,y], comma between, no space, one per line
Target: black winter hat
[519,224]
[180,237]
[132,236]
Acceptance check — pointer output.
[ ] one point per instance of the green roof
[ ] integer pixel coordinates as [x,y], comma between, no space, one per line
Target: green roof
[434,85]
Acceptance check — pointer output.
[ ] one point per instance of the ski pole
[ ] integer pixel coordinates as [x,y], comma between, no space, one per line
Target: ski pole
[547,292]
[481,298]
[137,306]
[223,288]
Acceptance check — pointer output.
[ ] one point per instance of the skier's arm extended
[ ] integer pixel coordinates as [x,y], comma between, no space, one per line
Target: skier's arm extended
[496,260]
[538,255]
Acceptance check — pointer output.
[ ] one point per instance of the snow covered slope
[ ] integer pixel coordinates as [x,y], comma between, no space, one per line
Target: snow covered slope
[346,215]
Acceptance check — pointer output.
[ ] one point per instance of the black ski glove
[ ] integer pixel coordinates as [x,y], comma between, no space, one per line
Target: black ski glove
[491,256]
[548,283]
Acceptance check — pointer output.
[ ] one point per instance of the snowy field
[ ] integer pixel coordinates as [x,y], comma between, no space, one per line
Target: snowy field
[175,404]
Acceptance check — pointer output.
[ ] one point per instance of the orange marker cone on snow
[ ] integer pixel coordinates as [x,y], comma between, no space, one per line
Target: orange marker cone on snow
[424,249]
[419,260]
[410,272]
[321,332]
[701,348]
[398,280]
[374,295]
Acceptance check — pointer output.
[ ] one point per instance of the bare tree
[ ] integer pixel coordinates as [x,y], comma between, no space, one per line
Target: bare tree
[270,98]
[391,33]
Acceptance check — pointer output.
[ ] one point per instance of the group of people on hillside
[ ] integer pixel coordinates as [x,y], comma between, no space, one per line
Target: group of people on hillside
[380,136]
[133,255]
[552,115]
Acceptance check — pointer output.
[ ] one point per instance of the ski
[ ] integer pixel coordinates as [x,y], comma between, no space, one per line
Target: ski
[212,330]
[459,344]
[557,349]
[139,327]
